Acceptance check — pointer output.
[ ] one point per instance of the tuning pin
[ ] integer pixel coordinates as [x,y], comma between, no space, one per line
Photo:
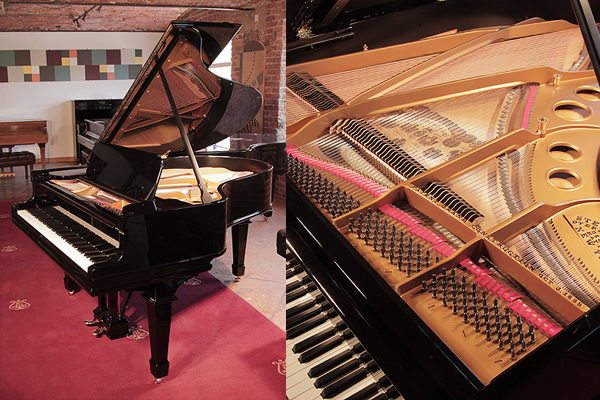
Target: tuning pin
[522,341]
[465,316]
[391,257]
[424,285]
[351,225]
[513,355]
[531,333]
[488,335]
[500,341]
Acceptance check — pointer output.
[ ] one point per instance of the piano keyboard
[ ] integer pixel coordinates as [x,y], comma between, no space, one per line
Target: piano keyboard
[84,244]
[324,358]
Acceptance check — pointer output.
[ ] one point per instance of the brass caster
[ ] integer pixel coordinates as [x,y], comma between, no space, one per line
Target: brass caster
[94,322]
[71,292]
[158,380]
[238,278]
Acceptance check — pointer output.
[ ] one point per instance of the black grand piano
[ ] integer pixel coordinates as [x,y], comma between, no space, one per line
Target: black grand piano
[146,214]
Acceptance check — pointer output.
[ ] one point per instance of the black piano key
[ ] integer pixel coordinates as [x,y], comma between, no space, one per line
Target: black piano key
[289,273]
[381,396]
[347,381]
[334,361]
[391,392]
[291,263]
[305,305]
[318,338]
[307,314]
[366,393]
[296,284]
[321,348]
[291,296]
[292,286]
[308,325]
[336,373]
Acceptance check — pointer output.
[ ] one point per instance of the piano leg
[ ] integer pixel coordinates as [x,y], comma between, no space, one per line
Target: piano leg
[239,237]
[71,286]
[159,301]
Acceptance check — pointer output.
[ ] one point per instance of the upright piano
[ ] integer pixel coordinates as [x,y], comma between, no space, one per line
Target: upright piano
[146,213]
[443,205]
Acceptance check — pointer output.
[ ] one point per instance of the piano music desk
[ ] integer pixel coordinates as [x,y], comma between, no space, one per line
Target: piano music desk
[13,133]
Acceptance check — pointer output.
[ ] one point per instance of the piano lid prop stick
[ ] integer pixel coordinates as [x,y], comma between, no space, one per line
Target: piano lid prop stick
[206,197]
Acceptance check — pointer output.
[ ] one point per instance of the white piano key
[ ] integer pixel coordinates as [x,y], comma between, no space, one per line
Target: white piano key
[307,297]
[75,255]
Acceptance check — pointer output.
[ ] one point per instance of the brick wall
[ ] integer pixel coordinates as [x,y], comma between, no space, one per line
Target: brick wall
[265,24]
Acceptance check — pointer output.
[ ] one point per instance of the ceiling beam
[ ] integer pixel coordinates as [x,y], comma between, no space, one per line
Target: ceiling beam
[207,4]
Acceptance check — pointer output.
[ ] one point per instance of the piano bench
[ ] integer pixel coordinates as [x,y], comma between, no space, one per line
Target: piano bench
[16,159]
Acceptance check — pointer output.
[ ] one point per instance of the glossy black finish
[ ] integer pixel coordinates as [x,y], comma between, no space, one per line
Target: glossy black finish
[213,108]
[384,23]
[589,30]
[159,239]
[124,171]
[417,362]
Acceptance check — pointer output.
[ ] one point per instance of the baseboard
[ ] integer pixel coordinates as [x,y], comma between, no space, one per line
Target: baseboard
[57,159]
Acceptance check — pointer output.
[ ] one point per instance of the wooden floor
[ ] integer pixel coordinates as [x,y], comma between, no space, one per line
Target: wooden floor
[263,284]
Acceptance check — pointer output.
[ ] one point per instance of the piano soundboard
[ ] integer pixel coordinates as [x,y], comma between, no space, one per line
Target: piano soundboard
[462,179]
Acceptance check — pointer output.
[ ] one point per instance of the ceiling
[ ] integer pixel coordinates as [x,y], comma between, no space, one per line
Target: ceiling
[108,15]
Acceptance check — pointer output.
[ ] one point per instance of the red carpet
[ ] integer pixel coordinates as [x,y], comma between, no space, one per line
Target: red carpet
[220,347]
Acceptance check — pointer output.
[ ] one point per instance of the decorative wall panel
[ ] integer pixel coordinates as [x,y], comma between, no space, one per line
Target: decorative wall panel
[69,65]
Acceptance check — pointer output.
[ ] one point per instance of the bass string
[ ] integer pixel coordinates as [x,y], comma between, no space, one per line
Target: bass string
[332,147]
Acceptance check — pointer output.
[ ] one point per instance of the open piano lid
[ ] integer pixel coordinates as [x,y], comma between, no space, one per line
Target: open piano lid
[211,109]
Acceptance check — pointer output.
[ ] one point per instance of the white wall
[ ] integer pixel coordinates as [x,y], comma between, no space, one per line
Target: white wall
[52,101]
